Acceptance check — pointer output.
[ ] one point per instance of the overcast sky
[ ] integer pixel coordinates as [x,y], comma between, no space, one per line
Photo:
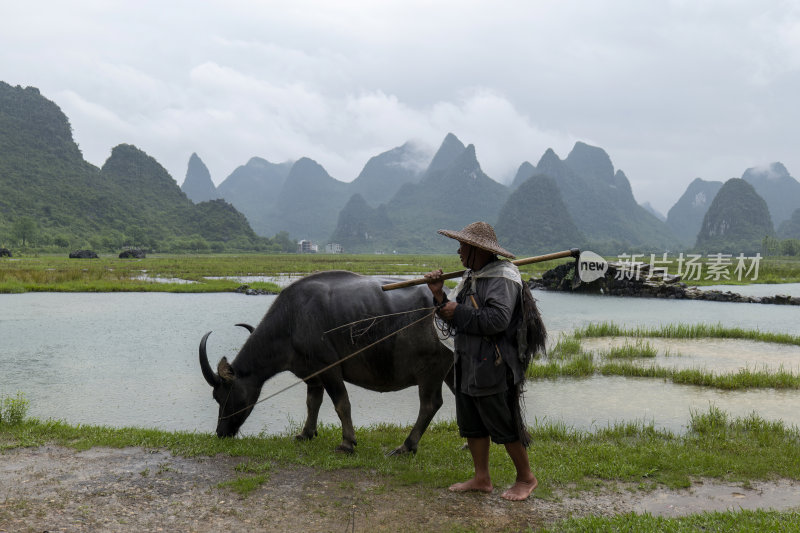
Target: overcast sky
[672,90]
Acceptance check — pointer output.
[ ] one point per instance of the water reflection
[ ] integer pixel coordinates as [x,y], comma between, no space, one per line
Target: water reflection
[131,359]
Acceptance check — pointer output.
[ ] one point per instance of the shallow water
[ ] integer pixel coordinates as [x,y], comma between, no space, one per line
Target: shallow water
[719,355]
[131,359]
[758,289]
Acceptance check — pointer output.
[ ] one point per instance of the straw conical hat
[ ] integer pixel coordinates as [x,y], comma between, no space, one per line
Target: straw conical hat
[480,235]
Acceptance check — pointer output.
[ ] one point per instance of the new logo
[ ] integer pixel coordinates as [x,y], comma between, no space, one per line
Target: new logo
[591,267]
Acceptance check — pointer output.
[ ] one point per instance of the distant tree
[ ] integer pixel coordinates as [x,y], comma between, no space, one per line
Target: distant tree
[196,243]
[135,237]
[284,242]
[770,246]
[25,229]
[790,247]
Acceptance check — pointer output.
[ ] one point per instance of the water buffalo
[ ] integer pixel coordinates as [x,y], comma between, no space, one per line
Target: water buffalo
[295,335]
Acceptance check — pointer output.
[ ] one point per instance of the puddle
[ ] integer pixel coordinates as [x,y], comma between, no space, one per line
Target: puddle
[281,280]
[719,355]
[144,276]
[708,496]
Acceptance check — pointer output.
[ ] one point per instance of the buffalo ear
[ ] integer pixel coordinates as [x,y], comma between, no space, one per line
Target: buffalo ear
[225,370]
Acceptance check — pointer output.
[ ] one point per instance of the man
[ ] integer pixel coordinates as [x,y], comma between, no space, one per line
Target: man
[486,317]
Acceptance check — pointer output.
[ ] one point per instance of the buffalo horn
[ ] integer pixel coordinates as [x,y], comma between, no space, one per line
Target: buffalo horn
[211,377]
[248,327]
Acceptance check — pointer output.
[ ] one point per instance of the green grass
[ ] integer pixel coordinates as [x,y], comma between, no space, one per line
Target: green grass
[742,379]
[640,348]
[567,347]
[569,359]
[721,522]
[110,274]
[13,409]
[566,461]
[685,331]
[715,446]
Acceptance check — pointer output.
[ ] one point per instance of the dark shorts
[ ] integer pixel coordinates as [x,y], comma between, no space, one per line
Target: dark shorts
[486,416]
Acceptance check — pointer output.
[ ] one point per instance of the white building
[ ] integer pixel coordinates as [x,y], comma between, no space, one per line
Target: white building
[306,247]
[333,248]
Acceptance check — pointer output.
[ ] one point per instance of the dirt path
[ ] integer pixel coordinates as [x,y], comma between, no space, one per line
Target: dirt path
[58,489]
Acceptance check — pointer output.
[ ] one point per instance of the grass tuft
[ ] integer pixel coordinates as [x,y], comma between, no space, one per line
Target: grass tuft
[640,348]
[13,409]
[685,331]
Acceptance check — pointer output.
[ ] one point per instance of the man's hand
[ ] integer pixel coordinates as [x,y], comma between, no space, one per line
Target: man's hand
[447,311]
[436,284]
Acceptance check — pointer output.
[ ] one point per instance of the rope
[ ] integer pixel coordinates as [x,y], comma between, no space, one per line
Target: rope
[377,317]
[336,363]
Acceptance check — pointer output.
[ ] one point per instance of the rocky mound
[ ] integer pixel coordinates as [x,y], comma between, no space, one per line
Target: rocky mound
[620,280]
[83,254]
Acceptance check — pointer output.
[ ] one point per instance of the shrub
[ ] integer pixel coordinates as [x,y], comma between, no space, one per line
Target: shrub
[13,410]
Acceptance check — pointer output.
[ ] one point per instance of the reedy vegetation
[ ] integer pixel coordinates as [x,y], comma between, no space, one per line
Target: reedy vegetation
[568,358]
[109,274]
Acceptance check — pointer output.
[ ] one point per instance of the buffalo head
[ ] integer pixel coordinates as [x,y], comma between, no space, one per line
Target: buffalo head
[236,394]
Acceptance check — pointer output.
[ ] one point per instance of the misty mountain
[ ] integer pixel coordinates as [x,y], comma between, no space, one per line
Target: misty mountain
[308,204]
[363,229]
[736,221]
[524,172]
[448,197]
[600,201]
[653,211]
[580,199]
[450,150]
[686,217]
[777,187]
[198,185]
[303,200]
[384,174]
[254,188]
[43,176]
[452,193]
[790,229]
[535,221]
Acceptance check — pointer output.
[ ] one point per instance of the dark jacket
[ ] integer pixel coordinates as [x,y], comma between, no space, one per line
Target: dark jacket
[483,332]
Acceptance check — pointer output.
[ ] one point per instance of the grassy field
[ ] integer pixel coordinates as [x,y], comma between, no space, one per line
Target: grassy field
[110,274]
[564,459]
[634,359]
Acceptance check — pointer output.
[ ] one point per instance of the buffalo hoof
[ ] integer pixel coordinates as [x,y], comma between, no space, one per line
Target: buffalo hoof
[344,448]
[401,450]
[305,436]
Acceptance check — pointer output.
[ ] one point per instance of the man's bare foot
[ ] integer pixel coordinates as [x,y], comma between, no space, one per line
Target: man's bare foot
[472,484]
[520,490]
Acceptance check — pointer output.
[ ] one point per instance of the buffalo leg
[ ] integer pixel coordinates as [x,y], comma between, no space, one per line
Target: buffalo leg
[430,400]
[341,402]
[313,402]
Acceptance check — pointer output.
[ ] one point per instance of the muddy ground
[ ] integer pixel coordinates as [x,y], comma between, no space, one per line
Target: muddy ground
[58,489]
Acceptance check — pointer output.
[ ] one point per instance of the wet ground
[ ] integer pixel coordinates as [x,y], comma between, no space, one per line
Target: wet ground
[58,489]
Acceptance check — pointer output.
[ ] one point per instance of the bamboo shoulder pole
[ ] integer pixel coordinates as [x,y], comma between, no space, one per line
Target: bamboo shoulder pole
[457,274]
